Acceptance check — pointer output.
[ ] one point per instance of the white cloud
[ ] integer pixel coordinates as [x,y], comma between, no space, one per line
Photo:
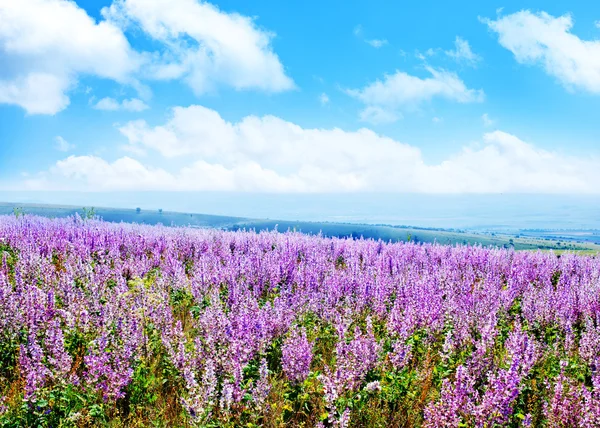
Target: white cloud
[204,45]
[506,164]
[436,119]
[402,91]
[92,172]
[111,104]
[273,155]
[134,104]
[487,121]
[377,43]
[192,130]
[107,104]
[37,93]
[427,54]
[541,39]
[377,115]
[62,145]
[324,99]
[42,58]
[597,24]
[462,52]
[46,46]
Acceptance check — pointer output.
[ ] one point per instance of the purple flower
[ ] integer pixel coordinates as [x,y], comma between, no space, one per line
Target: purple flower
[296,356]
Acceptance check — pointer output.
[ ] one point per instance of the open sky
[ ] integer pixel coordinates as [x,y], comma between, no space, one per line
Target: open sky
[300,96]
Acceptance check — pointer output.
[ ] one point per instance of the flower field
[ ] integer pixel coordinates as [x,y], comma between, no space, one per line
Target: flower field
[128,325]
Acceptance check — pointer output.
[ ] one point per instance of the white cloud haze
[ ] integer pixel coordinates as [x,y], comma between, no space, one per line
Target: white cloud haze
[547,41]
[462,52]
[273,155]
[62,145]
[378,115]
[487,120]
[377,43]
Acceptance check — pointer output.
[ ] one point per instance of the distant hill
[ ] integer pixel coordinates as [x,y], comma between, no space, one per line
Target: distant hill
[117,215]
[544,240]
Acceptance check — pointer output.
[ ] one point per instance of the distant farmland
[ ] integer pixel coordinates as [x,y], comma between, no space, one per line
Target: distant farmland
[544,240]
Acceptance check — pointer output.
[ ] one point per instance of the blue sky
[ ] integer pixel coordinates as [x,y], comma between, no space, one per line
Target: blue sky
[300,97]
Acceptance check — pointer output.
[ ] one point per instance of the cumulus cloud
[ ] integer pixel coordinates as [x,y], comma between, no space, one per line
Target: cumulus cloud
[42,59]
[324,98]
[270,154]
[110,104]
[505,164]
[203,45]
[544,40]
[462,52]
[92,172]
[37,93]
[46,46]
[402,91]
[273,143]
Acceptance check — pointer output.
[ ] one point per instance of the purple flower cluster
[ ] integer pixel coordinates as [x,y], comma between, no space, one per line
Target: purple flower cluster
[297,356]
[355,358]
[477,337]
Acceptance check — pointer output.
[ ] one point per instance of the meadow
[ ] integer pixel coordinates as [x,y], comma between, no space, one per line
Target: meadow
[105,324]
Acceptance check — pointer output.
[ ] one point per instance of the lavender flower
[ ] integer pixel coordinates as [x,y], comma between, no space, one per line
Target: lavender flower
[84,303]
[297,356]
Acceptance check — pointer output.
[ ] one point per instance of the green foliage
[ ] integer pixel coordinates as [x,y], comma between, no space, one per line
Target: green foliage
[62,406]
[88,213]
[303,403]
[18,212]
[10,255]
[8,361]
[154,391]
